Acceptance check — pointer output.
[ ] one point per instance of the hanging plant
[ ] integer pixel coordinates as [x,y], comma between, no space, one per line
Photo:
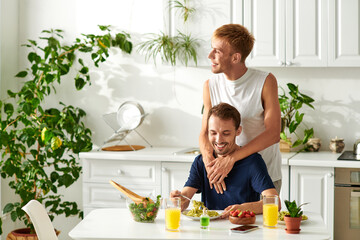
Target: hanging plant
[158,44]
[185,48]
[181,47]
[183,7]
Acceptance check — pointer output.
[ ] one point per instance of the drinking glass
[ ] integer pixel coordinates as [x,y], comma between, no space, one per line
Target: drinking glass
[270,210]
[172,213]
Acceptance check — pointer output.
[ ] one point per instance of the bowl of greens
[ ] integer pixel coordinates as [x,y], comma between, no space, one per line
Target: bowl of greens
[146,211]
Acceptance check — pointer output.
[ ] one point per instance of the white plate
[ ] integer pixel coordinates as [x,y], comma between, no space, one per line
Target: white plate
[283,222]
[198,218]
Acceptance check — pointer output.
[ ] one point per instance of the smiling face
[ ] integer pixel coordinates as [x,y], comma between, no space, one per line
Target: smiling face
[222,134]
[221,56]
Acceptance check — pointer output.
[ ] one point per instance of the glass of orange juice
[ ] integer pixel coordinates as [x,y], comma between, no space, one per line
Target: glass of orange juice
[270,210]
[172,213]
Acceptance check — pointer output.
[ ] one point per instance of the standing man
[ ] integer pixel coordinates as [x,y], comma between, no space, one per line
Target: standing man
[254,93]
[247,179]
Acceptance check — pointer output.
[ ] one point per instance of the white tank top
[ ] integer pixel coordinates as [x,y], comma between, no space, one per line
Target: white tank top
[245,94]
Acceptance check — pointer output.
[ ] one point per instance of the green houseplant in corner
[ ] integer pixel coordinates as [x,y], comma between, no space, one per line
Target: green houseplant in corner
[39,143]
[291,117]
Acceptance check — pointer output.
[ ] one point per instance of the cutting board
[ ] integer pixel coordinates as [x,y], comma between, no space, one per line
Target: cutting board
[123,148]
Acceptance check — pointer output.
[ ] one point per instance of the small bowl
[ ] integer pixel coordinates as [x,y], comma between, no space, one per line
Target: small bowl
[242,221]
[143,212]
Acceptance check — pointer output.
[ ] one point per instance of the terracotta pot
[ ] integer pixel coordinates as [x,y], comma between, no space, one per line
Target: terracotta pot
[24,234]
[292,224]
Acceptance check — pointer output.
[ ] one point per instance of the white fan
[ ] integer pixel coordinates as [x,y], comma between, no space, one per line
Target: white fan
[128,117]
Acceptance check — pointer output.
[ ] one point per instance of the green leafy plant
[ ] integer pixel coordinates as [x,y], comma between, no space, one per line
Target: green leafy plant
[38,144]
[185,48]
[291,117]
[294,210]
[180,47]
[183,7]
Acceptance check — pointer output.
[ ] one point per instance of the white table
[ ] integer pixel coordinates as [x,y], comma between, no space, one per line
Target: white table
[116,223]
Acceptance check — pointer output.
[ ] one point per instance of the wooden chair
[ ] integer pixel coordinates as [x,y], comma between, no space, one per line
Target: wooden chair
[40,219]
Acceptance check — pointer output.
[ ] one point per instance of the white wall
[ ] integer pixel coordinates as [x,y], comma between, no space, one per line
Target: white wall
[9,66]
[171,96]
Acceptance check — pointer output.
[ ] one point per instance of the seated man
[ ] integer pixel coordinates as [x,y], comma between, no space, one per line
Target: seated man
[245,182]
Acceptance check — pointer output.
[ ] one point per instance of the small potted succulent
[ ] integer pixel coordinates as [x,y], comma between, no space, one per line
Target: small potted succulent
[293,220]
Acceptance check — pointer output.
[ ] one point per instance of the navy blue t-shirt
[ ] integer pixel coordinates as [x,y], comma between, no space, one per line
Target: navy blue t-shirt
[244,183]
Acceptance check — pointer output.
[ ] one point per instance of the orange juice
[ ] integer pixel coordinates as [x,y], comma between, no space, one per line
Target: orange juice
[270,214]
[172,218]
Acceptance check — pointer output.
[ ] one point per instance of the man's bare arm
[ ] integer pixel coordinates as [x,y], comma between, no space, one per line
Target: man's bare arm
[205,146]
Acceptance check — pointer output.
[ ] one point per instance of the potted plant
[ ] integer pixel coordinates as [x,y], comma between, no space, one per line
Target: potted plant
[39,144]
[291,118]
[183,7]
[293,220]
[181,47]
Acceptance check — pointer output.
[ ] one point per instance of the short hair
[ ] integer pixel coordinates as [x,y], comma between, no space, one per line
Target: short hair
[239,38]
[225,111]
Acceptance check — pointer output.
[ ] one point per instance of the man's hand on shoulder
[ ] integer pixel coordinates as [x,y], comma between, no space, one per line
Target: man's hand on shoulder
[221,167]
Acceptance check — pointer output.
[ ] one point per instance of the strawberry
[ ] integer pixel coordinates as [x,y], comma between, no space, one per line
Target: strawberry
[252,214]
[237,211]
[242,214]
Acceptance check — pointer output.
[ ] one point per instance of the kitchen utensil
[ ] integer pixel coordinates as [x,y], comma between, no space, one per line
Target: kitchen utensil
[185,197]
[357,147]
[133,196]
[128,117]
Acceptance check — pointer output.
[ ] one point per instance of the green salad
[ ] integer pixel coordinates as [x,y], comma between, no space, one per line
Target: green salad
[282,214]
[145,212]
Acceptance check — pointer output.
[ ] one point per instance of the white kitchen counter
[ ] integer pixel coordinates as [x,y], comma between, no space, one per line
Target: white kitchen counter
[321,159]
[285,157]
[146,154]
[156,154]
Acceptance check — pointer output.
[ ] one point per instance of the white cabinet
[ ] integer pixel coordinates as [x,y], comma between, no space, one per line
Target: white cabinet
[284,191]
[288,33]
[344,38]
[148,173]
[142,177]
[174,176]
[316,186]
